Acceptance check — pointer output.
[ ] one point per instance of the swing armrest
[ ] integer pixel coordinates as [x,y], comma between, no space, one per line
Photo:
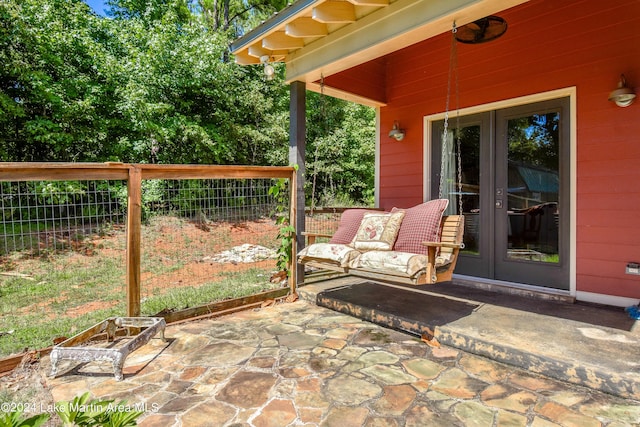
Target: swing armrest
[442,245]
[312,236]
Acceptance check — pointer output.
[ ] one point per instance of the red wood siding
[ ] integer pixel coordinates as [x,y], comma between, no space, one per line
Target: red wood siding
[367,80]
[548,45]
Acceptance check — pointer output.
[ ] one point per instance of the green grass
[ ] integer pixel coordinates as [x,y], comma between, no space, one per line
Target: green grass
[64,293]
[35,331]
[37,309]
[553,258]
[37,327]
[236,285]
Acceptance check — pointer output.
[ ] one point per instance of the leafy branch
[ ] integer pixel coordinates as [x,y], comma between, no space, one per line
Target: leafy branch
[286,232]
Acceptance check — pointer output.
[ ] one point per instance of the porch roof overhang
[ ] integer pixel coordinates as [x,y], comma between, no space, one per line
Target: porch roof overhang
[319,38]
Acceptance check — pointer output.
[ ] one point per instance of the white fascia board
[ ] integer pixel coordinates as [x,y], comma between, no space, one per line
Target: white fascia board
[342,94]
[401,24]
[288,14]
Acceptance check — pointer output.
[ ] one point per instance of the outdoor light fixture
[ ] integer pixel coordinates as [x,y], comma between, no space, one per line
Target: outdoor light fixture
[623,96]
[269,71]
[396,133]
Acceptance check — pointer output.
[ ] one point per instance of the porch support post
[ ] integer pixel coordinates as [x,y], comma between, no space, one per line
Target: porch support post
[297,144]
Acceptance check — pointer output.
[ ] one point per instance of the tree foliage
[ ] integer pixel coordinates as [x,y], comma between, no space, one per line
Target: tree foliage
[534,140]
[340,151]
[154,82]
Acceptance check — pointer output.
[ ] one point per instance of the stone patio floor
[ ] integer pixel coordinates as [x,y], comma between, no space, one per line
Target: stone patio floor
[297,364]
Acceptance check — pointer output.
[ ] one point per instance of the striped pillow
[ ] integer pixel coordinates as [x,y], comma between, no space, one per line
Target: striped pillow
[420,224]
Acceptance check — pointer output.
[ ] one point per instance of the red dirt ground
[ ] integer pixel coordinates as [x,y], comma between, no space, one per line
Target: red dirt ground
[178,244]
[201,238]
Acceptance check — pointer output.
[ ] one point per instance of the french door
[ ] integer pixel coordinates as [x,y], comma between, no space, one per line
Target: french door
[514,193]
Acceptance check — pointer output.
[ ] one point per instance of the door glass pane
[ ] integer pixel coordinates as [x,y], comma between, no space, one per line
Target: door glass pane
[533,187]
[470,177]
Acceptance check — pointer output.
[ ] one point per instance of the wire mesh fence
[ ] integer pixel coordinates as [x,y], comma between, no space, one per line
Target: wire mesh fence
[41,217]
[325,221]
[63,253]
[207,240]
[62,258]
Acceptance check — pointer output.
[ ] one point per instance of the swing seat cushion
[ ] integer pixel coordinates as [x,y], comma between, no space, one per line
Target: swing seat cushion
[404,263]
[421,223]
[333,253]
[399,263]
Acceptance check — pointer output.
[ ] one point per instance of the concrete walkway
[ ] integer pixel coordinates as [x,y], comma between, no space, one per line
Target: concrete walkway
[297,364]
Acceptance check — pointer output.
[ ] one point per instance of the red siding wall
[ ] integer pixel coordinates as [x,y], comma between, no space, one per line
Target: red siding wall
[548,45]
[371,87]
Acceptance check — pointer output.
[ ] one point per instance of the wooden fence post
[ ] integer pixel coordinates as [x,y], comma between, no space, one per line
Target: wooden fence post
[134,224]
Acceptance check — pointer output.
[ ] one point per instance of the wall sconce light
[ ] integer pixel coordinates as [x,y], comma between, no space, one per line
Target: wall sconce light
[623,96]
[396,133]
[269,71]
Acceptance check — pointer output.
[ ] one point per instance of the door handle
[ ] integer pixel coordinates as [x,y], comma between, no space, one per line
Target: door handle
[498,204]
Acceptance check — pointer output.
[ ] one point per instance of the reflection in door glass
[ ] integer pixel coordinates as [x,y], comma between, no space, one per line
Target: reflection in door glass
[533,187]
[470,159]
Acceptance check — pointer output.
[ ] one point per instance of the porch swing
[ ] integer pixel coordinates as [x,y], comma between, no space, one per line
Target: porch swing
[436,260]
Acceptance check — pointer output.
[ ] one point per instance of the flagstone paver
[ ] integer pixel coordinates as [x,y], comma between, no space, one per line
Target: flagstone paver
[301,365]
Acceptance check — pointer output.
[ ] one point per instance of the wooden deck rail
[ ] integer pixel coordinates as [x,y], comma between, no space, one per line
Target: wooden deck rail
[134,174]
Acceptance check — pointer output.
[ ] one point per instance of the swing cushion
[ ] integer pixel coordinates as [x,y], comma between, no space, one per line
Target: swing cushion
[420,224]
[399,262]
[349,223]
[404,263]
[336,254]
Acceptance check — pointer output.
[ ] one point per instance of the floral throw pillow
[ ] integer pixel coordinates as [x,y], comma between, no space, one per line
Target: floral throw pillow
[421,224]
[378,231]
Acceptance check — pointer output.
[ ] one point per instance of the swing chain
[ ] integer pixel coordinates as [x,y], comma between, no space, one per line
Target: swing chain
[323,113]
[458,129]
[445,134]
[459,148]
[452,57]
